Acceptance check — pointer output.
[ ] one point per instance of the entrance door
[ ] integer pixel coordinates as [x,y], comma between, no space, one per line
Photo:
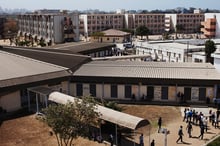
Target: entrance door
[114,91]
[150,92]
[187,94]
[92,90]
[127,91]
[202,94]
[164,93]
[79,90]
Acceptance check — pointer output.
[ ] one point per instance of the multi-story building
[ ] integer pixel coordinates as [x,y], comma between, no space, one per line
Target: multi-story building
[191,22]
[90,23]
[187,23]
[53,28]
[154,22]
[211,27]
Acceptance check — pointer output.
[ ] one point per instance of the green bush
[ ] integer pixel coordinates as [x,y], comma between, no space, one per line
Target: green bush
[112,105]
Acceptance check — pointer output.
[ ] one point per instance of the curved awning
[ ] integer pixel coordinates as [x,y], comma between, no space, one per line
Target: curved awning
[107,114]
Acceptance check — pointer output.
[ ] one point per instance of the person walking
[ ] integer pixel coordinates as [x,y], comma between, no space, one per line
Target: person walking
[180,133]
[189,129]
[141,140]
[205,123]
[152,143]
[159,124]
[202,129]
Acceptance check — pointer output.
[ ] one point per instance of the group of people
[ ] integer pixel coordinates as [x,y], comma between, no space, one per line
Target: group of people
[193,117]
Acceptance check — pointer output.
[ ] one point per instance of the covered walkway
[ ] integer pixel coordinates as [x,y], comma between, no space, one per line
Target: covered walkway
[106,114]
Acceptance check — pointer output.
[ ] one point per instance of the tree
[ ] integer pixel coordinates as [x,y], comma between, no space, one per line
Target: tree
[10,29]
[179,29]
[71,120]
[142,31]
[209,49]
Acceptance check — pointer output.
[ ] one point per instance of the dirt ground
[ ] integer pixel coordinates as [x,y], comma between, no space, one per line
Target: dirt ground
[27,131]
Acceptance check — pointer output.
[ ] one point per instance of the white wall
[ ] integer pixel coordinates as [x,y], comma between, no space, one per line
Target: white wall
[173,20]
[121,93]
[107,91]
[200,56]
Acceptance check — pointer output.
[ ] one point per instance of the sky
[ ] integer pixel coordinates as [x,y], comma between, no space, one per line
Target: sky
[108,5]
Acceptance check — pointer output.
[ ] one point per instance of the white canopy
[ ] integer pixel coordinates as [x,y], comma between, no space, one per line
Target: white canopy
[107,114]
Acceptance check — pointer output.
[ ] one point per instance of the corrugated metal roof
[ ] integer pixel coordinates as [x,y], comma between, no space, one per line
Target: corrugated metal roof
[17,69]
[138,69]
[71,61]
[14,66]
[80,48]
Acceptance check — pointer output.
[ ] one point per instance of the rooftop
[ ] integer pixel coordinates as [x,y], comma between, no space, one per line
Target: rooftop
[159,70]
[80,48]
[17,69]
[60,58]
[114,32]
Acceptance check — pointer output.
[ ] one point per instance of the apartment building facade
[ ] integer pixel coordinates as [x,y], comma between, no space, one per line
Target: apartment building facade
[53,28]
[154,22]
[90,23]
[187,23]
[58,28]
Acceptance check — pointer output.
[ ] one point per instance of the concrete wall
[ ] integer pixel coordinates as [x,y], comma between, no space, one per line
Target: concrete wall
[104,91]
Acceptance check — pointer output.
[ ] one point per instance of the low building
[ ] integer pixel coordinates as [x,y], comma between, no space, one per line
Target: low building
[26,71]
[158,81]
[19,73]
[168,51]
[112,36]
